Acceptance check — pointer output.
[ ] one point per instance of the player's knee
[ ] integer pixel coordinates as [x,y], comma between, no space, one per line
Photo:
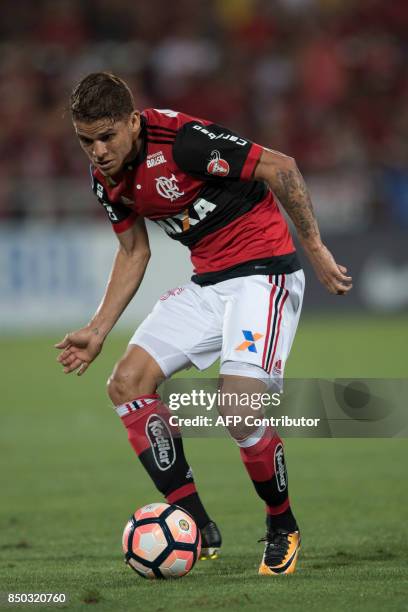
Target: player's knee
[128,382]
[239,400]
[240,431]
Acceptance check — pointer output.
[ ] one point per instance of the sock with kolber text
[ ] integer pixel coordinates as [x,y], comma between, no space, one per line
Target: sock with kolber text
[263,457]
[160,449]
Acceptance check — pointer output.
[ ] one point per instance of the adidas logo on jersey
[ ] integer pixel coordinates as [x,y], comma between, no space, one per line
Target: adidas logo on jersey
[155,159]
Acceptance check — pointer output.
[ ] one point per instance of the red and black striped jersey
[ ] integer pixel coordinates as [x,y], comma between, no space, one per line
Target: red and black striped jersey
[194,178]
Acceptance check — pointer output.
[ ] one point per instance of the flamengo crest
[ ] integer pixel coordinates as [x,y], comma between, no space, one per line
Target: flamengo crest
[168,188]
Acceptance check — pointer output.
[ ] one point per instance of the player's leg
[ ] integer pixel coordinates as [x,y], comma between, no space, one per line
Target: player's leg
[268,328]
[133,389]
[262,454]
[159,446]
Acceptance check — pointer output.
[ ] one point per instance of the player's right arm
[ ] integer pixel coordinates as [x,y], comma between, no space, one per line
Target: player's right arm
[285,180]
[81,347]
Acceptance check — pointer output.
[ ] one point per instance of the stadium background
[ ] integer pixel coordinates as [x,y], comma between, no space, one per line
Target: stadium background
[324,81]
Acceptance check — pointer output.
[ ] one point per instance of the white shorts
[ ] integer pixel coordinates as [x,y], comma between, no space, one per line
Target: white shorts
[249,322]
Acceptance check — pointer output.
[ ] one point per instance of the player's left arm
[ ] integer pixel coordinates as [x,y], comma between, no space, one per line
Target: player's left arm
[282,174]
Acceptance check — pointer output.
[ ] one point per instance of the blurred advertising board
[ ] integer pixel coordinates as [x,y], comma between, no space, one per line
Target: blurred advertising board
[54,275]
[378,263]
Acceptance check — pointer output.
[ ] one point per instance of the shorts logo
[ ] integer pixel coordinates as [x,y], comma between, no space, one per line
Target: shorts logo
[171,292]
[249,342]
[217,165]
[280,469]
[161,442]
[168,188]
[277,368]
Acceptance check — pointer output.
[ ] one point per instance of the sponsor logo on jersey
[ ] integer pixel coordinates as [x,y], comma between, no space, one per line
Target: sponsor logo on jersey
[249,342]
[217,165]
[99,191]
[161,442]
[182,222]
[168,188]
[277,368]
[223,135]
[155,159]
[280,468]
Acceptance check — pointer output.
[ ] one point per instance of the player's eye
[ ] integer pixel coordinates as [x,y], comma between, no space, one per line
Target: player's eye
[85,141]
[106,137]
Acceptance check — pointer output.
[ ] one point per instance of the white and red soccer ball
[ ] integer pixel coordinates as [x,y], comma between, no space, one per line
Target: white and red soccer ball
[161,541]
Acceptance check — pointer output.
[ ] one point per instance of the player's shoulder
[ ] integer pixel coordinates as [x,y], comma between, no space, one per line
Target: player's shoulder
[169,119]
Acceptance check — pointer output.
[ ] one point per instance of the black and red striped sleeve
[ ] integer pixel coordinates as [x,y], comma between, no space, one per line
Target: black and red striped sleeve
[210,151]
[125,223]
[121,216]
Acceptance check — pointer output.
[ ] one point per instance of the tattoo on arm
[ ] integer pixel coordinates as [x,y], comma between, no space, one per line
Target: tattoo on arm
[294,197]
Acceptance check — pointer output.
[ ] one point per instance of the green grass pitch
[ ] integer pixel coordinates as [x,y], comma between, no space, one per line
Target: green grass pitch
[69,481]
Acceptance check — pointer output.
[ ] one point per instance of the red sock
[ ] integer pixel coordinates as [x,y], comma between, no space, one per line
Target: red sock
[160,449]
[265,463]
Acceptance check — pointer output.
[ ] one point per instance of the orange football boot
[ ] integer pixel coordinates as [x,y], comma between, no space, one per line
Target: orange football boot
[281,552]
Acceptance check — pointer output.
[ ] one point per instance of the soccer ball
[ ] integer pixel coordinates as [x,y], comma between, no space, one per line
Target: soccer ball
[161,541]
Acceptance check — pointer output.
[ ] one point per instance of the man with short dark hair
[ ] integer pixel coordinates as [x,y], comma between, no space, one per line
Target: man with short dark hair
[215,192]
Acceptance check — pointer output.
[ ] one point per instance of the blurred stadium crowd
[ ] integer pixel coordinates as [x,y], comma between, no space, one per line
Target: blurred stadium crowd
[324,81]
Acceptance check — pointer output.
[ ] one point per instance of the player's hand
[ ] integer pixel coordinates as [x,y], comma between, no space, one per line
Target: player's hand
[331,274]
[79,349]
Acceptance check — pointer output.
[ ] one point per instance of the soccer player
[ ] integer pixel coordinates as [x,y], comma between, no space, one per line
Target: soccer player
[215,192]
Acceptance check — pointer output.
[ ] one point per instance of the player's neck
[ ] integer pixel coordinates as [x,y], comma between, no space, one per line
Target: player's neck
[135,150]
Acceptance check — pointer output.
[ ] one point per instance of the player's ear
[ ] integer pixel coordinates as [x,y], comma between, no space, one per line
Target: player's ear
[135,122]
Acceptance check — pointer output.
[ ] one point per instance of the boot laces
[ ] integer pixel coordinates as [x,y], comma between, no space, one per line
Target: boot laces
[277,546]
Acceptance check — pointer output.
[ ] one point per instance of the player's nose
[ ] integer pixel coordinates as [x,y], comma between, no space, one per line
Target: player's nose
[99,150]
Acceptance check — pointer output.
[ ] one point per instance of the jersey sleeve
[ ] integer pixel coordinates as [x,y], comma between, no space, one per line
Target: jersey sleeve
[122,217]
[208,151]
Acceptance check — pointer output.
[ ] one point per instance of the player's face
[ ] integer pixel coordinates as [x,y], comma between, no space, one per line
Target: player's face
[109,144]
